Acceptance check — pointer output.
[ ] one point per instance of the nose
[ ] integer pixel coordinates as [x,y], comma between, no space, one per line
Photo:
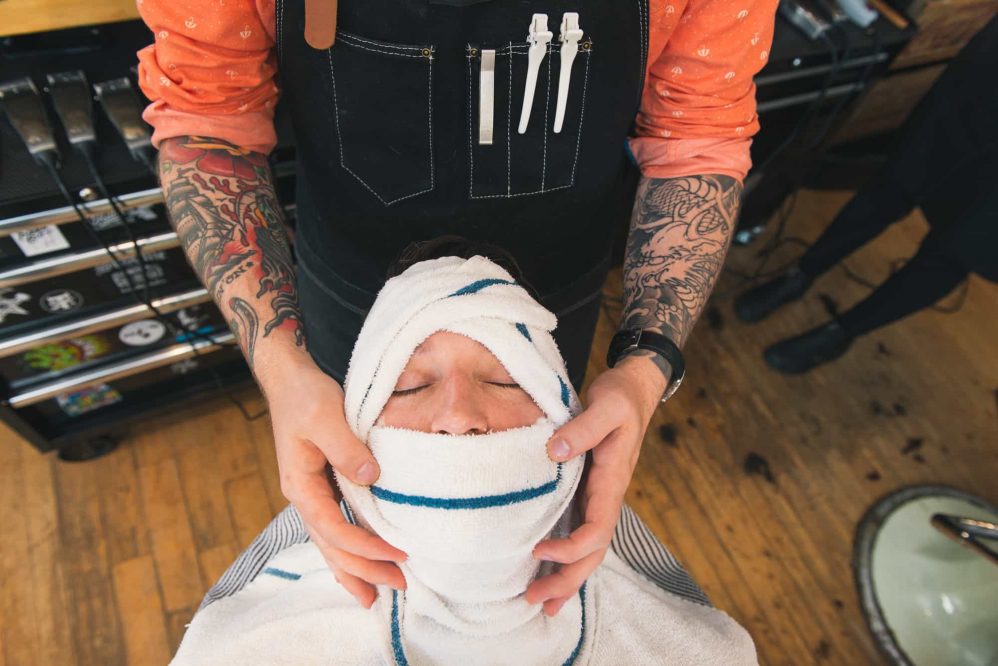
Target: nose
[461,409]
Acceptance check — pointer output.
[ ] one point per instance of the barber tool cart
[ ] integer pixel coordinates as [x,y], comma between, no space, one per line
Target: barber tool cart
[82,353]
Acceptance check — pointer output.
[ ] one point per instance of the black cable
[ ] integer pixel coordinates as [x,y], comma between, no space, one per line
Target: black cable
[805,118]
[49,161]
[87,150]
[864,79]
[804,123]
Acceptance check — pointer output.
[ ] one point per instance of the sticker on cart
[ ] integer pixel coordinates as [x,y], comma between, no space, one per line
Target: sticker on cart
[40,241]
[132,216]
[78,403]
[66,354]
[185,367]
[10,303]
[142,333]
[60,300]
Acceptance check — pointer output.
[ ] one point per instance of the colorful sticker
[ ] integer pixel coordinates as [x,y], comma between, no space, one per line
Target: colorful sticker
[66,354]
[88,399]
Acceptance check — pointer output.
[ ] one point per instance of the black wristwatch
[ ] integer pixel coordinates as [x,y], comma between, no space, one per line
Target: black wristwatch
[629,339]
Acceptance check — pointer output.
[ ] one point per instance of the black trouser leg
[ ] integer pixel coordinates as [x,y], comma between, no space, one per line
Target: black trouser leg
[926,278]
[867,214]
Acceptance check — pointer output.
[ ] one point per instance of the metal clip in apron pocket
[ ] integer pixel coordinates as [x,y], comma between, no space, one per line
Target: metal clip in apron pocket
[502,162]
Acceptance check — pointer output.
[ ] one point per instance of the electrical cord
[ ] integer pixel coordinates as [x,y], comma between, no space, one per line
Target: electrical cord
[786,210]
[178,330]
[812,108]
[87,150]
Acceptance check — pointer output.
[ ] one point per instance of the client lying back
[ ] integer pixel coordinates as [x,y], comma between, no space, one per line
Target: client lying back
[468,509]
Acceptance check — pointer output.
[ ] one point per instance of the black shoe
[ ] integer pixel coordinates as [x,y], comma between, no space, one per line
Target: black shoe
[759,302]
[808,350]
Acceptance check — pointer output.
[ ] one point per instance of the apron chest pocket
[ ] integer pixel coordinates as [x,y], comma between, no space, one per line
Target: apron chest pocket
[539,160]
[382,96]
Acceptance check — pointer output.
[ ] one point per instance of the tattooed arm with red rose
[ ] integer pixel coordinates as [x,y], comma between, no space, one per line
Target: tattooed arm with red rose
[222,203]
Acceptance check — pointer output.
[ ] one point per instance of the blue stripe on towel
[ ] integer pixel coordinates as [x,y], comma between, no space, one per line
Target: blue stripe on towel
[397,632]
[482,502]
[582,634]
[478,285]
[281,573]
[564,391]
[399,651]
[522,328]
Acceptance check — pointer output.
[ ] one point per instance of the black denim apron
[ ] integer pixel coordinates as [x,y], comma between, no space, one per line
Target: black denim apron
[387,126]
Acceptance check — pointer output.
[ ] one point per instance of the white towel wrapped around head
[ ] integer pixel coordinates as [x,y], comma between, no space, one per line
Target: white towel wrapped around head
[474,297]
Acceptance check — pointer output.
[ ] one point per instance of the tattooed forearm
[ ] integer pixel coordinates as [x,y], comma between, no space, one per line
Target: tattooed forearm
[244,324]
[680,231]
[222,203]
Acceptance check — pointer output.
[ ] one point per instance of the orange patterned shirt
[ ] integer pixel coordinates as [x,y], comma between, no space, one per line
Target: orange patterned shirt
[211,72]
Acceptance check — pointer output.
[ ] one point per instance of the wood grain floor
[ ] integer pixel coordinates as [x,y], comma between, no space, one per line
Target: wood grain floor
[104,562]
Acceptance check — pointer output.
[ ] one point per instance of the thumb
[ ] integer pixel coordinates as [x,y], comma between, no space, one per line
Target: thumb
[580,434]
[349,456]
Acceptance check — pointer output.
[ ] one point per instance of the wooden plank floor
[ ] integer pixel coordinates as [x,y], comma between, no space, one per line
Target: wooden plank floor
[103,563]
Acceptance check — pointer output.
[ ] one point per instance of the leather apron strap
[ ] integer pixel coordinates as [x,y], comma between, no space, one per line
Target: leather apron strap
[320,23]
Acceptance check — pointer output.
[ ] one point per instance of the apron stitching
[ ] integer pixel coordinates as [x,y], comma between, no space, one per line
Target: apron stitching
[390,53]
[339,135]
[547,105]
[582,116]
[509,138]
[349,36]
[279,36]
[641,32]
[429,117]
[520,194]
[644,25]
[471,150]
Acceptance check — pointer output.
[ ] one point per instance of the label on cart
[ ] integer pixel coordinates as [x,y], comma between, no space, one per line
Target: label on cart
[88,399]
[60,300]
[142,333]
[132,216]
[40,241]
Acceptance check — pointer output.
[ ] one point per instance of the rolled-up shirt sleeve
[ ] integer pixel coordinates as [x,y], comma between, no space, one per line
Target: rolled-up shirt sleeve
[210,71]
[698,110]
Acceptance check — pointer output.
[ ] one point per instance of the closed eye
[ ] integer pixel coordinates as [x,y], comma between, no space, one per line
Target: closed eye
[409,391]
[416,389]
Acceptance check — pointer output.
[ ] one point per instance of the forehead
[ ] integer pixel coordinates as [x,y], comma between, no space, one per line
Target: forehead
[445,341]
[453,349]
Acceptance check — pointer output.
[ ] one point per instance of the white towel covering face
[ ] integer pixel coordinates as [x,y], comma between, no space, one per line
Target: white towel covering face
[467,509]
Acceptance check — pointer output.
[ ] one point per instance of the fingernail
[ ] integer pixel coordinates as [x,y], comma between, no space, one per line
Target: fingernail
[367,472]
[560,449]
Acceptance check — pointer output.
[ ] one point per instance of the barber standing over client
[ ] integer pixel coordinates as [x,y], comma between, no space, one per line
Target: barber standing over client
[506,123]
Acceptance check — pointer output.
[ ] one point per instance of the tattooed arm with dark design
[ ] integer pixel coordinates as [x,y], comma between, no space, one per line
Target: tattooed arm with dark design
[681,229]
[680,232]
[221,201]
